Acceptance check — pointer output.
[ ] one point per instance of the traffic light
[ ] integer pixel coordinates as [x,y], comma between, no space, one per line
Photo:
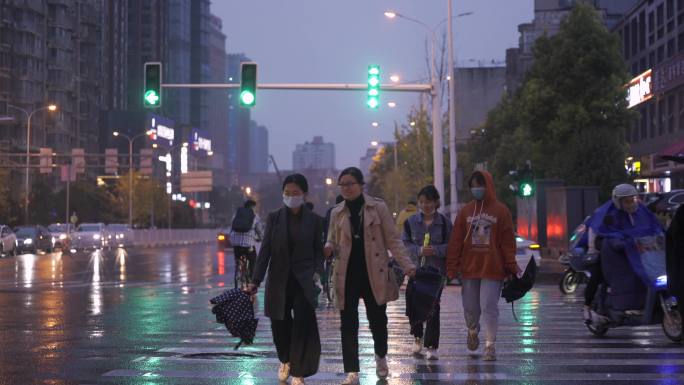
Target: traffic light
[373,100]
[153,81]
[248,84]
[526,183]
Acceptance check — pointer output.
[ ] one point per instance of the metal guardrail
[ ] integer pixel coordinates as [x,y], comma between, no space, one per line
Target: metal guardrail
[170,237]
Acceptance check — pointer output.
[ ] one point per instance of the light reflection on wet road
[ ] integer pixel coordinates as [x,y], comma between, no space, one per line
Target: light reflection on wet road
[143,317]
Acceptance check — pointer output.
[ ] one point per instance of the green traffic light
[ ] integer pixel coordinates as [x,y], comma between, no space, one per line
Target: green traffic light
[526,189]
[373,102]
[247,97]
[151,97]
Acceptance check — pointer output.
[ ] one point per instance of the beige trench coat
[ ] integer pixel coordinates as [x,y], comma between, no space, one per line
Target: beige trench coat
[380,235]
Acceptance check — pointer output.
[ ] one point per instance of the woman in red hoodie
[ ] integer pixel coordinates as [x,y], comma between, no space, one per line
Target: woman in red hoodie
[482,252]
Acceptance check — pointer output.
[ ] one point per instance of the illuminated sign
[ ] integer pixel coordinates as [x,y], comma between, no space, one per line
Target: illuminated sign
[162,130]
[184,160]
[199,141]
[639,89]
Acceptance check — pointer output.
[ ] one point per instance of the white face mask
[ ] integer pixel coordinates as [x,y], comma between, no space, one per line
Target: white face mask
[293,201]
[426,212]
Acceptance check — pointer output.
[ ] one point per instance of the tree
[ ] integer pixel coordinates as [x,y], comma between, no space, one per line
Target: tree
[9,207]
[149,198]
[568,118]
[91,203]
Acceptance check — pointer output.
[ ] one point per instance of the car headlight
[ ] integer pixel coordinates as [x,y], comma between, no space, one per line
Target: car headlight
[121,236]
[221,237]
[661,281]
[62,237]
[96,236]
[28,241]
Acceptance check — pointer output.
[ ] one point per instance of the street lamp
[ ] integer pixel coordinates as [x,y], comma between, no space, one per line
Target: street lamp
[395,78]
[130,170]
[437,158]
[29,115]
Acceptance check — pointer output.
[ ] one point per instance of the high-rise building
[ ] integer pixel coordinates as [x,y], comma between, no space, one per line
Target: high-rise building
[258,148]
[478,90]
[315,155]
[50,53]
[178,70]
[238,122]
[218,101]
[115,55]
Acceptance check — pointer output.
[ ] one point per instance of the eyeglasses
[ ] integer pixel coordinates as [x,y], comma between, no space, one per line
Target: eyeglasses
[346,185]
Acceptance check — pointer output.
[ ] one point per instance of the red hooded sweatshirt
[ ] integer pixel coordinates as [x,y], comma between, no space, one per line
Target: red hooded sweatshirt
[482,243]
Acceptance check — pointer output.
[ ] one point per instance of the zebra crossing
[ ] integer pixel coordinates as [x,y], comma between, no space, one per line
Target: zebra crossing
[548,345]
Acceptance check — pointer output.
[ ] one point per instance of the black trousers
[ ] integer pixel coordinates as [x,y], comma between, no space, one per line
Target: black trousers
[431,329]
[593,284]
[296,336]
[357,287]
[250,253]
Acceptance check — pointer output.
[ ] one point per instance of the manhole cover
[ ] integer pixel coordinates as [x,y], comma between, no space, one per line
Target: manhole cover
[220,356]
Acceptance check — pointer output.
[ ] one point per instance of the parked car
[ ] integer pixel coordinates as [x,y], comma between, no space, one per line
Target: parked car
[89,236]
[32,239]
[8,241]
[119,235]
[223,239]
[526,249]
[664,205]
[62,234]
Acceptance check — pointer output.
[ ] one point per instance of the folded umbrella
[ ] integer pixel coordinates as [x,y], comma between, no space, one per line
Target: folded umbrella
[234,309]
[516,288]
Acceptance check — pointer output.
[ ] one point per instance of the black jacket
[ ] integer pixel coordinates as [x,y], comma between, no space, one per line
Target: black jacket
[675,255]
[274,256]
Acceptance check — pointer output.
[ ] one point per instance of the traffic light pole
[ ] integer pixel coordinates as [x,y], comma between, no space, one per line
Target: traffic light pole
[311,86]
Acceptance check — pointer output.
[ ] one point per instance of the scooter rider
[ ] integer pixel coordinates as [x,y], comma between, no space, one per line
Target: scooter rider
[624,198]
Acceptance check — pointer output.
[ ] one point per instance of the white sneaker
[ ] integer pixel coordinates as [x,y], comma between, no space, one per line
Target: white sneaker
[381,368]
[431,354]
[417,345]
[298,381]
[284,372]
[352,379]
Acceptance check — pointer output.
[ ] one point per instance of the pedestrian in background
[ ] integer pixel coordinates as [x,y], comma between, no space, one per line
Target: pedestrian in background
[292,252]
[361,232]
[426,236]
[405,213]
[482,252]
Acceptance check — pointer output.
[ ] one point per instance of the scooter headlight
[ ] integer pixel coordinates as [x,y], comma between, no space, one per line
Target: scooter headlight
[661,281]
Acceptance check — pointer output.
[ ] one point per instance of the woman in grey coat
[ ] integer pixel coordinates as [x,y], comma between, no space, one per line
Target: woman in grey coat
[292,252]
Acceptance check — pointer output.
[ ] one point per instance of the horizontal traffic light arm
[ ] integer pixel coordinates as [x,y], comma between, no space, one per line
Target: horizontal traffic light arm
[310,86]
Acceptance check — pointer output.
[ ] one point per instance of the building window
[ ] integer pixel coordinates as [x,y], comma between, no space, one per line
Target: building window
[670,48]
[680,112]
[671,116]
[625,38]
[642,31]
[660,17]
[662,116]
[642,64]
[651,22]
[670,9]
[651,59]
[652,120]
[661,54]
[635,36]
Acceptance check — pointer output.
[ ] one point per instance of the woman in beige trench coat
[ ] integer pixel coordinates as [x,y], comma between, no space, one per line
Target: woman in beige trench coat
[361,233]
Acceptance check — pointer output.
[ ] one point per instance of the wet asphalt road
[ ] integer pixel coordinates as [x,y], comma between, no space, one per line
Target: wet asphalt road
[144,318]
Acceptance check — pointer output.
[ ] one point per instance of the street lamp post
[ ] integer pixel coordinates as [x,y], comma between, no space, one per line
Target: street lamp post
[437,136]
[29,115]
[130,171]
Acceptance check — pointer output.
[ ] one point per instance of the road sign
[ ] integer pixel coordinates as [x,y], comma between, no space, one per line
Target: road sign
[197,181]
[64,173]
[111,160]
[45,160]
[146,161]
[78,160]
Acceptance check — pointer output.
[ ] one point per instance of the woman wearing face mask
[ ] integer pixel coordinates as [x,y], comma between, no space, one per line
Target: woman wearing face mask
[361,231]
[482,251]
[426,235]
[292,252]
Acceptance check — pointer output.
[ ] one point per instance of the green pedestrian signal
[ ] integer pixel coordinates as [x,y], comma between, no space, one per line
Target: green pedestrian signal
[373,97]
[248,84]
[152,86]
[526,189]
[526,182]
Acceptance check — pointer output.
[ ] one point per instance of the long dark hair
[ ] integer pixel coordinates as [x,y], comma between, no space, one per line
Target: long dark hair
[354,172]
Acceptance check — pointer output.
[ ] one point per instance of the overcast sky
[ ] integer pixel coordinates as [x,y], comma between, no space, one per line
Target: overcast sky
[334,42]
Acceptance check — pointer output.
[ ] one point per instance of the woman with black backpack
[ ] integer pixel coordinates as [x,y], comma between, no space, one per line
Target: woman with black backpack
[426,235]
